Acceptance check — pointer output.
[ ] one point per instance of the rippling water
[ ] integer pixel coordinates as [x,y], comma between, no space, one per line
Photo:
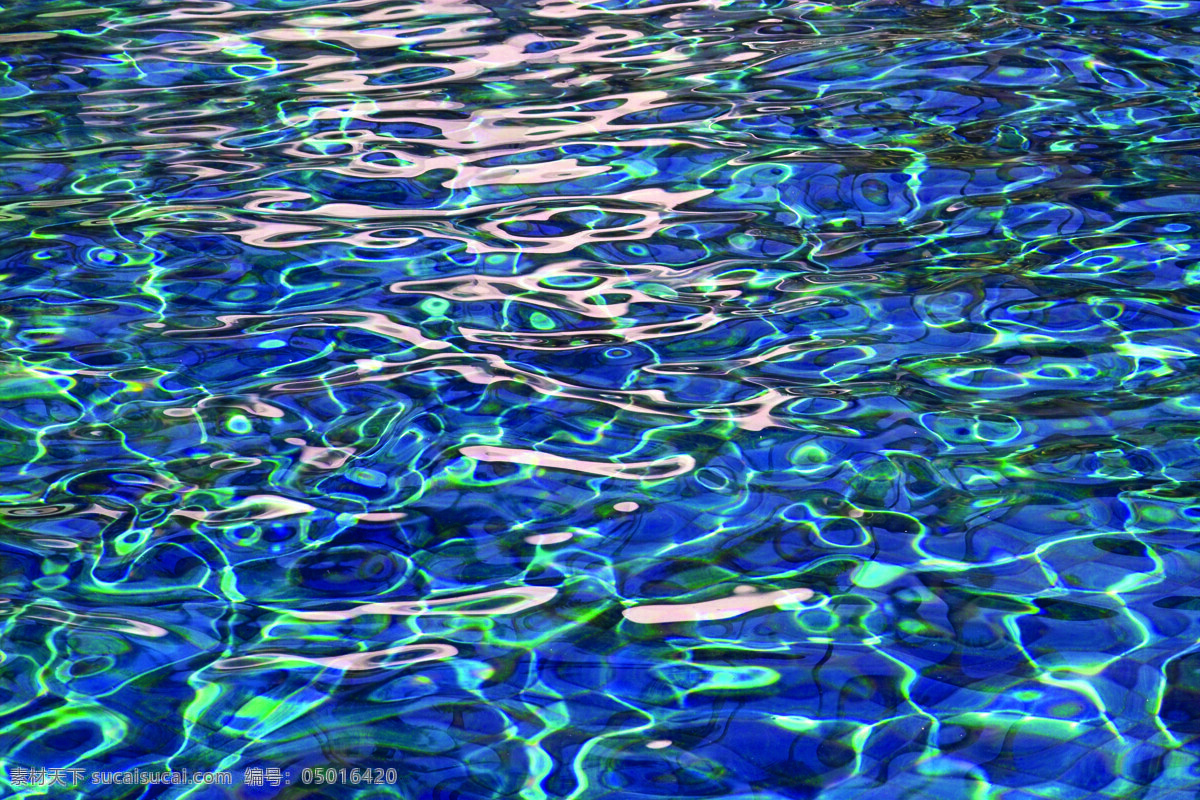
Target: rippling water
[559,399]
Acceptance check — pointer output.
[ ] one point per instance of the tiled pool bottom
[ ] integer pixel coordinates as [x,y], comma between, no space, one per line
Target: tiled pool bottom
[564,400]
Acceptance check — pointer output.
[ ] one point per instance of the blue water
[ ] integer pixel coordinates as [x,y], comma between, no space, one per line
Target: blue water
[554,400]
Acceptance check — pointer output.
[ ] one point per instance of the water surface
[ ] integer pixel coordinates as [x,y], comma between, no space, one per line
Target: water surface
[602,400]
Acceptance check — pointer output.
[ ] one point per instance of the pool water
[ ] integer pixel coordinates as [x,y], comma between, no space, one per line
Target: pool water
[566,400]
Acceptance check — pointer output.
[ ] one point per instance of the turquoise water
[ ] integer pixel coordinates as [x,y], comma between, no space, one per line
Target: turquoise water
[601,400]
